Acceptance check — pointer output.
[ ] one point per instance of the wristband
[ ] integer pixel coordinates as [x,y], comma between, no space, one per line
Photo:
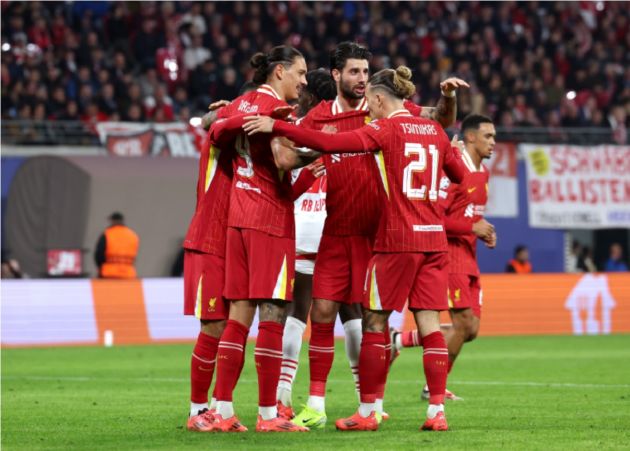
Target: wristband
[452,93]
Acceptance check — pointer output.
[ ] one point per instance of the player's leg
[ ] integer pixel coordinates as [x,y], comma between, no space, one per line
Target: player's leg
[294,328]
[388,282]
[330,284]
[231,348]
[203,290]
[321,350]
[359,251]
[230,360]
[271,265]
[427,299]
[351,318]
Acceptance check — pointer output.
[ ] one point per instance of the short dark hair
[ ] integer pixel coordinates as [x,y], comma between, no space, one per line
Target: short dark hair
[117,216]
[345,51]
[321,84]
[473,121]
[518,249]
[265,63]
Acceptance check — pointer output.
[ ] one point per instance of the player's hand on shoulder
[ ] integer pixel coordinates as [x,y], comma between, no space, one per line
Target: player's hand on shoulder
[218,104]
[453,84]
[258,124]
[457,143]
[283,112]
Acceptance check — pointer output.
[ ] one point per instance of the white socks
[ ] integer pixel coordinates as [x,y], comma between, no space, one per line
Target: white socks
[354,334]
[434,409]
[317,403]
[291,345]
[268,413]
[195,408]
[365,409]
[378,406]
[213,403]
[225,409]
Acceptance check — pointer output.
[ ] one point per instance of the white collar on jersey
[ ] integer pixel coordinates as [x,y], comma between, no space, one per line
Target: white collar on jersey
[267,89]
[469,163]
[336,106]
[399,113]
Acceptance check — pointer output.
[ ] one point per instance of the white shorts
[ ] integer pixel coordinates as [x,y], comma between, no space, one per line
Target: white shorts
[304,266]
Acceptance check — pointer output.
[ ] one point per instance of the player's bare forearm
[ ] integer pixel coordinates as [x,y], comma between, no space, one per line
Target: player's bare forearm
[445,111]
[208,119]
[287,157]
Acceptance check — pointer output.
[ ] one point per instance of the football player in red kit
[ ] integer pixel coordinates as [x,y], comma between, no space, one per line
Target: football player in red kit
[464,206]
[353,213]
[410,251]
[260,246]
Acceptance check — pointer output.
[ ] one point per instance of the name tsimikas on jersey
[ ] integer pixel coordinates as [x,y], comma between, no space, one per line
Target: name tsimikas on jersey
[418,129]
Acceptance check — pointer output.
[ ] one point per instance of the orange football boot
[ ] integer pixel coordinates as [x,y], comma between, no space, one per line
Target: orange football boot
[437,423]
[358,423]
[285,412]
[231,424]
[202,422]
[278,424]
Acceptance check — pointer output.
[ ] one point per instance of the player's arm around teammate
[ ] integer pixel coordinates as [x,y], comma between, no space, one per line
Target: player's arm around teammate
[385,94]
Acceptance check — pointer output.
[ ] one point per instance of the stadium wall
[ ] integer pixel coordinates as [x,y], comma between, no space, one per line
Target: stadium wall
[142,311]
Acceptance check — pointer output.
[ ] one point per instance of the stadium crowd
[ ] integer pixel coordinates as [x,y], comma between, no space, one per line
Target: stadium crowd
[530,64]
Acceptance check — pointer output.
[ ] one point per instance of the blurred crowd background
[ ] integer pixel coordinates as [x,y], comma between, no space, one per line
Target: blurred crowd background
[561,64]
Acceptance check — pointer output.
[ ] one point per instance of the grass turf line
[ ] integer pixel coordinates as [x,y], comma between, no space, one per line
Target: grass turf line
[520,393]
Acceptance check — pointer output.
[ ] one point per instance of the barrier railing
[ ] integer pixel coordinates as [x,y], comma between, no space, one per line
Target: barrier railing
[20,132]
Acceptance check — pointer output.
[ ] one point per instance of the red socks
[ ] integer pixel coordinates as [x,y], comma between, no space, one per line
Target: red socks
[372,365]
[268,358]
[230,359]
[202,367]
[380,390]
[410,339]
[435,360]
[321,352]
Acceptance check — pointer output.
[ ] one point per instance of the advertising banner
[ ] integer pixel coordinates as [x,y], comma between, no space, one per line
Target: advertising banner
[126,139]
[578,187]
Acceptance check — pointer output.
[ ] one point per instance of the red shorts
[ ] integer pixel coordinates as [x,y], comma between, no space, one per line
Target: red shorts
[203,286]
[340,268]
[394,278]
[258,265]
[464,291]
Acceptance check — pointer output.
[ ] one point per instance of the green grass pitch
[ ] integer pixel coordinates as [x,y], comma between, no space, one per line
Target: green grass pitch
[562,393]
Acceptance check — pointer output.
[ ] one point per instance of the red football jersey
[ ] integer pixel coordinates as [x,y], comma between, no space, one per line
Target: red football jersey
[261,195]
[207,229]
[412,153]
[464,204]
[352,199]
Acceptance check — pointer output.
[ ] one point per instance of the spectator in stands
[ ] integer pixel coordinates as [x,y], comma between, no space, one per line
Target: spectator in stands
[520,263]
[546,63]
[615,262]
[117,249]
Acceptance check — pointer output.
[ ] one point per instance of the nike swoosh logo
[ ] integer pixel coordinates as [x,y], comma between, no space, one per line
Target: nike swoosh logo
[470,190]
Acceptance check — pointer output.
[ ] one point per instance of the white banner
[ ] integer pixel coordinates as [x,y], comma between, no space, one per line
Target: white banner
[503,186]
[578,187]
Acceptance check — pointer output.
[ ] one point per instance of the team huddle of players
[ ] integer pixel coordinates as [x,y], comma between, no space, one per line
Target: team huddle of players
[387,211]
